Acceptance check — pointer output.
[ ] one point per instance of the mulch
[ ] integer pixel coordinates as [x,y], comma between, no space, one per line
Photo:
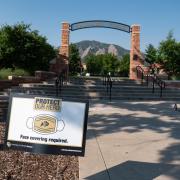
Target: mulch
[17,165]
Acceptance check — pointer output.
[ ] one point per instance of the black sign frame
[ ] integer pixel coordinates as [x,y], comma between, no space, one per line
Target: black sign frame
[42,148]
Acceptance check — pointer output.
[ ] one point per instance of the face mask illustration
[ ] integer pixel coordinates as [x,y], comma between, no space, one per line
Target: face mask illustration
[45,124]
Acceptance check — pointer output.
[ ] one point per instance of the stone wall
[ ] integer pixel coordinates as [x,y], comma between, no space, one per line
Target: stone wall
[4,84]
[170,83]
[45,75]
[15,81]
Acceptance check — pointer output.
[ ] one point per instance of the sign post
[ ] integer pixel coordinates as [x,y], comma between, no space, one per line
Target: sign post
[46,125]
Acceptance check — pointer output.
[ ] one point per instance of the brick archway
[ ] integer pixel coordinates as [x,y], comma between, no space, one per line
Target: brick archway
[135,55]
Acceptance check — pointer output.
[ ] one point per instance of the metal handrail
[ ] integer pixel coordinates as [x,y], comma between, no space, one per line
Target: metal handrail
[107,81]
[59,82]
[154,77]
[140,71]
[159,82]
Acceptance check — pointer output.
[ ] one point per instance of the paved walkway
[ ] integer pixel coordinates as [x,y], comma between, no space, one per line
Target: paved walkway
[132,141]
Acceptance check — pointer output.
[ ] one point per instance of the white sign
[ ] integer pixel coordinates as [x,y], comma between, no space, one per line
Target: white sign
[47,121]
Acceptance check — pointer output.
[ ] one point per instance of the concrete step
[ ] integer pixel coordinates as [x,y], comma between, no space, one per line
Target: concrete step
[4,103]
[93,88]
[102,90]
[134,93]
[105,95]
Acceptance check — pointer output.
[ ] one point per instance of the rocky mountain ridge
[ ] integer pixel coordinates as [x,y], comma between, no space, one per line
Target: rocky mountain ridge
[95,47]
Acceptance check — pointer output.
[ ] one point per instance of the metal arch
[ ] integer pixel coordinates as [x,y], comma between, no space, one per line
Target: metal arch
[100,23]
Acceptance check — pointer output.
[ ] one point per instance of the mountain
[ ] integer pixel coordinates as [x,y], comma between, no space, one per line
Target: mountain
[95,47]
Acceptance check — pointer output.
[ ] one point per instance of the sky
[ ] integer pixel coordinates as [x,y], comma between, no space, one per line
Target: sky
[156,18]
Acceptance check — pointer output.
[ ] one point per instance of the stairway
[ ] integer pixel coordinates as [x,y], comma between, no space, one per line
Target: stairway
[92,88]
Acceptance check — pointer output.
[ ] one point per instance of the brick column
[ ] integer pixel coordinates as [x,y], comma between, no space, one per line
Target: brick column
[64,49]
[135,54]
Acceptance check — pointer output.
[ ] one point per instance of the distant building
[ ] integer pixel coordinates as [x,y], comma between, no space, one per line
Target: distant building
[84,66]
[59,64]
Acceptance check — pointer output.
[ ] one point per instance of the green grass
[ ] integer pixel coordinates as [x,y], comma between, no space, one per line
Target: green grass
[4,73]
[177,77]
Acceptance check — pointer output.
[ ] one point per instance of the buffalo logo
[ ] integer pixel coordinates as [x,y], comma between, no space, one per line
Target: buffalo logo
[45,124]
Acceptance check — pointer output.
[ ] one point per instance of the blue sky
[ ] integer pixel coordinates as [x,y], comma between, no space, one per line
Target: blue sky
[156,17]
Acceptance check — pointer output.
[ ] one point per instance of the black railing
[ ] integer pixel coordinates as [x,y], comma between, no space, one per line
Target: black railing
[3,115]
[107,81]
[159,82]
[59,82]
[150,77]
[3,119]
[142,75]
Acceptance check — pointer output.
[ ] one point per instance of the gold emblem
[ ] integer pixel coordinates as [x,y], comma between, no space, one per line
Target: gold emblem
[45,124]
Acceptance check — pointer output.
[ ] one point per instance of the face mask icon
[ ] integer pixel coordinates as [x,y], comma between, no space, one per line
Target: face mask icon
[45,124]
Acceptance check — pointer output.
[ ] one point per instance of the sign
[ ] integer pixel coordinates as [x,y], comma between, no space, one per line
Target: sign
[101,23]
[46,125]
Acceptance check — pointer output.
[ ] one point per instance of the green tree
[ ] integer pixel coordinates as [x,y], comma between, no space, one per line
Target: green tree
[102,64]
[110,63]
[21,47]
[151,54]
[94,64]
[74,60]
[169,55]
[124,65]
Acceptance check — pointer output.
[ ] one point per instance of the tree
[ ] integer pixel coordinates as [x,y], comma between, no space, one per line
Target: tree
[102,64]
[169,55]
[74,60]
[124,65]
[21,47]
[151,54]
[94,64]
[110,63]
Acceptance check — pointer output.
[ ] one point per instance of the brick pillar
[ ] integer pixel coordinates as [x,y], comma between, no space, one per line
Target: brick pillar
[64,48]
[135,55]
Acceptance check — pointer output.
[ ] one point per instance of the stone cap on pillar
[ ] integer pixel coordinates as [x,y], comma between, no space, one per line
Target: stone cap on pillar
[65,25]
[135,28]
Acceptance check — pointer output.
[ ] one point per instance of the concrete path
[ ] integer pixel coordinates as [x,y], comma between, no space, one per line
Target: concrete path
[132,141]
